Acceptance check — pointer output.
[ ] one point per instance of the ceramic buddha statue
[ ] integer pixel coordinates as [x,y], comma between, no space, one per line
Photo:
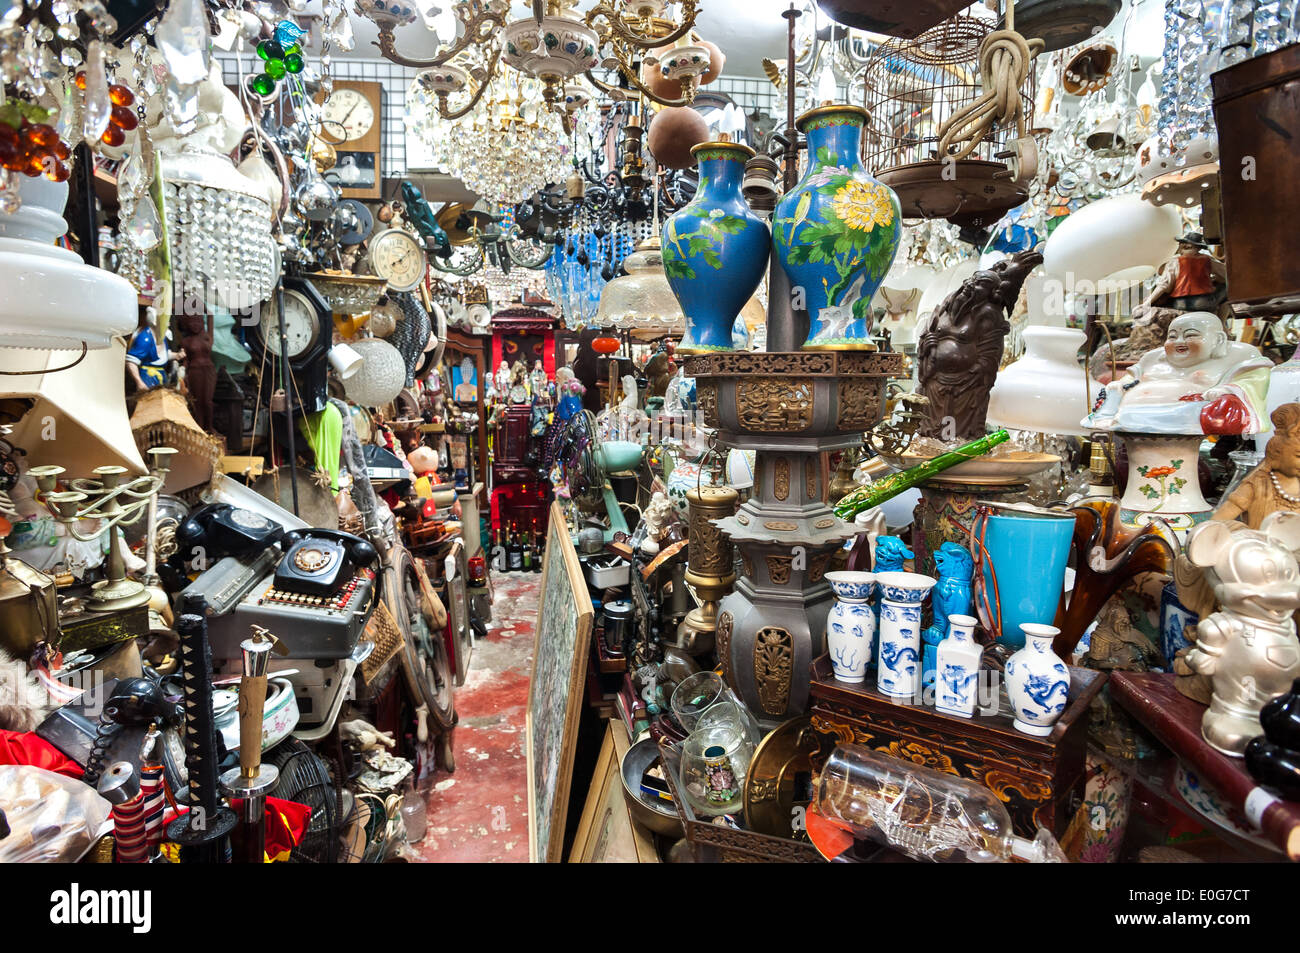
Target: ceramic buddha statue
[1199,382]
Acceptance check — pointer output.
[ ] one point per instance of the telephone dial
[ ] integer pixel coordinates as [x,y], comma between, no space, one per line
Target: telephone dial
[319,562]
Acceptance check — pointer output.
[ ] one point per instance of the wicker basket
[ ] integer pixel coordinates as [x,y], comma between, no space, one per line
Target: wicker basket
[383,630]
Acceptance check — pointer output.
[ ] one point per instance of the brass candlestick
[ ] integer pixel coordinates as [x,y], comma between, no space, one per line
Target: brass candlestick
[115,501]
[710,567]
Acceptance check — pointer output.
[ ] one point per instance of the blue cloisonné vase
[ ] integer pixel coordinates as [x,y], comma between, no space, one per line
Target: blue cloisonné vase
[836,232]
[715,250]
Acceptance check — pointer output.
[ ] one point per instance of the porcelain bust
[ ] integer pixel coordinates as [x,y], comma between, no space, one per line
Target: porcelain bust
[1199,382]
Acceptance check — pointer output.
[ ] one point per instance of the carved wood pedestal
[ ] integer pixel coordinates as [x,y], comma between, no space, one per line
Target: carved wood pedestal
[790,408]
[1040,780]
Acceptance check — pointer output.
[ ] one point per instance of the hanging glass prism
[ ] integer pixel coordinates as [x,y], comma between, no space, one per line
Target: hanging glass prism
[99,106]
[182,36]
[143,228]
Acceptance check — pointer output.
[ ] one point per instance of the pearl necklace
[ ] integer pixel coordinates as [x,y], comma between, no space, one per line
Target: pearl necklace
[1281,492]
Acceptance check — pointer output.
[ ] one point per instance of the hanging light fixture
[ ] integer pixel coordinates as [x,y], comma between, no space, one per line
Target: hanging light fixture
[552,44]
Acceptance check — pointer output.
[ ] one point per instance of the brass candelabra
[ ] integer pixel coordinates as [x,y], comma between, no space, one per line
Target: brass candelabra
[115,501]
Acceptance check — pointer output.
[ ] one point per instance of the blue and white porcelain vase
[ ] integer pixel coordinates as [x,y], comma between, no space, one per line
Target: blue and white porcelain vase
[1038,682]
[850,625]
[901,596]
[715,250]
[836,232]
[957,668]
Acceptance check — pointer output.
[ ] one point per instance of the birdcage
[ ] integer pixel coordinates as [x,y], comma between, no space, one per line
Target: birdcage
[911,88]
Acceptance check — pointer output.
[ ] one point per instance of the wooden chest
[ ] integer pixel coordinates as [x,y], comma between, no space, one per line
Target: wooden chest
[1040,780]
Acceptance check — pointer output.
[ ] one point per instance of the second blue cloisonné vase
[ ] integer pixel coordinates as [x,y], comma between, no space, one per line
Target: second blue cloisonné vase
[715,250]
[836,232]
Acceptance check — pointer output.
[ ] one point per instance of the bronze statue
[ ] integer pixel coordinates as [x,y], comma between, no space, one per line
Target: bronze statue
[961,349]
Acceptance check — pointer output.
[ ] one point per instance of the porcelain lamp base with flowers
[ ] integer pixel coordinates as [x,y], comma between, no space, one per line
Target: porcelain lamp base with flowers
[1162,481]
[836,232]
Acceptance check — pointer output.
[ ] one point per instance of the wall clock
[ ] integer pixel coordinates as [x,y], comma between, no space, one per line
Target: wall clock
[398,257]
[356,108]
[308,334]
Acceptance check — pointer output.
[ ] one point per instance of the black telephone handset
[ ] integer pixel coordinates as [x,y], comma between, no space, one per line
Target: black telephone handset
[319,562]
[224,530]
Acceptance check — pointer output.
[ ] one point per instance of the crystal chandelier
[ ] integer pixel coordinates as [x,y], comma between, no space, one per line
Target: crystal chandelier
[505,148]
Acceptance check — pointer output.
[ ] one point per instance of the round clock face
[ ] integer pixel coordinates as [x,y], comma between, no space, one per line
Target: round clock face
[352,111]
[301,325]
[397,256]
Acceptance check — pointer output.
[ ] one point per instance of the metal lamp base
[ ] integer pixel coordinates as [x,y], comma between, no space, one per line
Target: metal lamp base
[112,595]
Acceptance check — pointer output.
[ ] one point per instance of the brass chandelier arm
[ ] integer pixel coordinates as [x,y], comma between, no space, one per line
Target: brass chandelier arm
[447,113]
[478,31]
[620,28]
[629,73]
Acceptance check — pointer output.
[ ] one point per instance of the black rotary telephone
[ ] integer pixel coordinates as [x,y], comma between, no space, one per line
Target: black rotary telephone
[224,530]
[319,562]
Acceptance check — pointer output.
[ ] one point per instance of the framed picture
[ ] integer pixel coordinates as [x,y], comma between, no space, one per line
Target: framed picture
[353,170]
[561,644]
[464,382]
[606,832]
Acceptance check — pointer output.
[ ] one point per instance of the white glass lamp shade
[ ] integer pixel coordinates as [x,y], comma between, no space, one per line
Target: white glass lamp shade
[1116,242]
[1046,391]
[643,296]
[1046,307]
[944,284]
[380,378]
[51,299]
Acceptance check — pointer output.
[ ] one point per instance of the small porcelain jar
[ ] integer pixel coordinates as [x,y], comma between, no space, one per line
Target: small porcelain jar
[1038,682]
[957,667]
[850,625]
[901,595]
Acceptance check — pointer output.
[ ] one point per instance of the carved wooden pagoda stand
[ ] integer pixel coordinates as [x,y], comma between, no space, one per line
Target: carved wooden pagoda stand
[789,408]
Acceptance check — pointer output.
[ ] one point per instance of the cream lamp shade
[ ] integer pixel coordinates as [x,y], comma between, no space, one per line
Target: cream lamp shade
[79,420]
[1114,243]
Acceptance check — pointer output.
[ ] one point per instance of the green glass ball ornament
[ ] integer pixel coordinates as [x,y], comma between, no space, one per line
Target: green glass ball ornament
[263,84]
[275,69]
[293,62]
[270,50]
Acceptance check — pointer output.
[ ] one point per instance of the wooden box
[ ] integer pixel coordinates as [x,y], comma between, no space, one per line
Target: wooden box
[1040,780]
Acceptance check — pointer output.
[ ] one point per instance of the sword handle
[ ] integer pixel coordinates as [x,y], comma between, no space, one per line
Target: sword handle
[252,701]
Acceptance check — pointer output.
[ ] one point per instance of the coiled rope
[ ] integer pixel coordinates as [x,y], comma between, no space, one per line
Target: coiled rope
[1005,60]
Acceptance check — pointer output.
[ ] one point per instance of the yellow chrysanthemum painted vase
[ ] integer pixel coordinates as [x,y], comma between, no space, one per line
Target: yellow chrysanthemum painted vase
[836,232]
[715,249]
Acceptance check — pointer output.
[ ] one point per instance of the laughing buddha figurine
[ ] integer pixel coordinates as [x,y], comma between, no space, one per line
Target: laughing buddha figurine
[1200,382]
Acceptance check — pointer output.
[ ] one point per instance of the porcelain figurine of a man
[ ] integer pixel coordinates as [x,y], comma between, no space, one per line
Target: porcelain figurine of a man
[1199,382]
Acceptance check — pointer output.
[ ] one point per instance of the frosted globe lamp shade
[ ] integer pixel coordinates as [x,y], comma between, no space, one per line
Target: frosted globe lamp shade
[943,284]
[380,378]
[643,296]
[1046,391]
[1113,243]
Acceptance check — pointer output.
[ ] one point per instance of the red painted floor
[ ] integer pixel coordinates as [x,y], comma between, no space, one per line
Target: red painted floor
[479,814]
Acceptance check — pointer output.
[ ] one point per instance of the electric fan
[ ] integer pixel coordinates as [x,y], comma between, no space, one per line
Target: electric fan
[304,779]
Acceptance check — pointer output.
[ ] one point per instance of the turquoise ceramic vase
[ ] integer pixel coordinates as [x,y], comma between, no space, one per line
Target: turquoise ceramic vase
[715,250]
[836,232]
